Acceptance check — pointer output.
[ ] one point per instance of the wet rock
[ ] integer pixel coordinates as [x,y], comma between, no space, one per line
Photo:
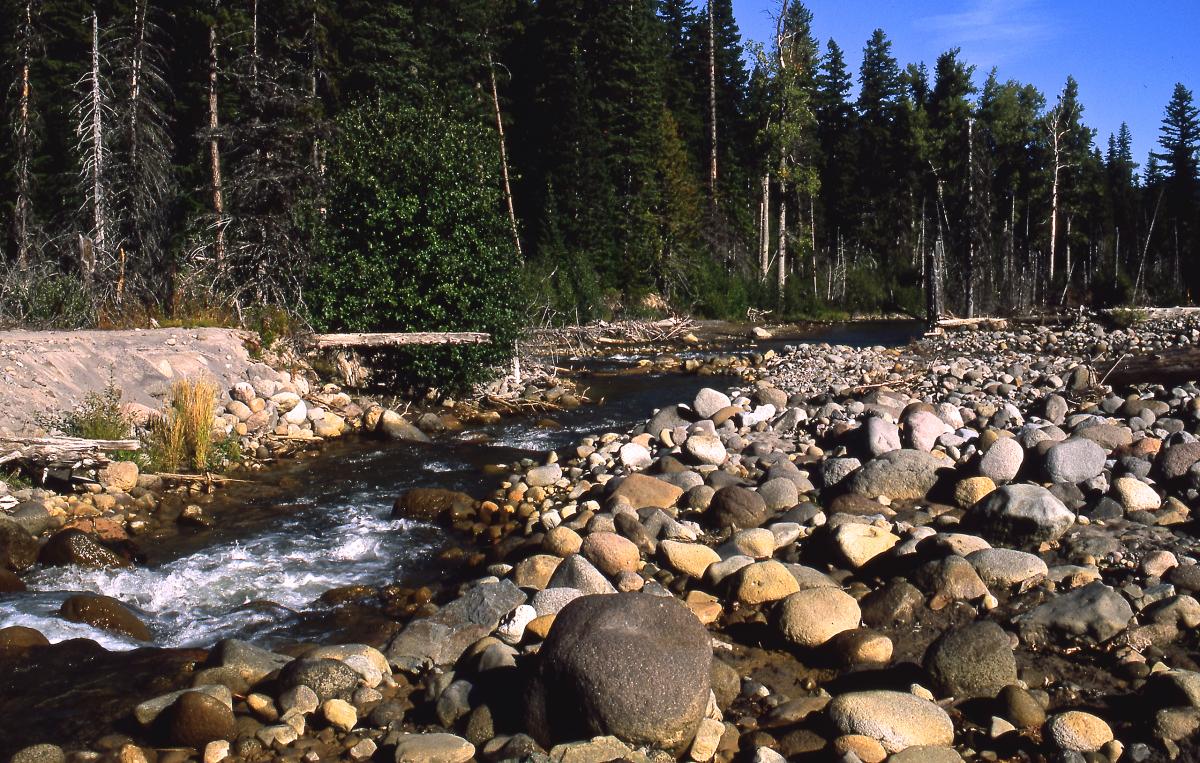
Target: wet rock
[432,504]
[812,617]
[1020,707]
[328,678]
[18,549]
[252,663]
[197,719]
[21,637]
[1020,515]
[902,475]
[1076,731]
[148,712]
[105,613]
[396,427]
[737,507]
[975,660]
[895,719]
[630,665]
[1095,612]
[1075,460]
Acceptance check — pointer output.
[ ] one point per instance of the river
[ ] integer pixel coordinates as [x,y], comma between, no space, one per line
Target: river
[259,574]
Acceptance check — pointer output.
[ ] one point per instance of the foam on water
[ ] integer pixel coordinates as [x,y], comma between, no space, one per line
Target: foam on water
[247,588]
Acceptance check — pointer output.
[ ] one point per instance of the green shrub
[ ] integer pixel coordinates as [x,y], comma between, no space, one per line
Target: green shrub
[415,239]
[100,416]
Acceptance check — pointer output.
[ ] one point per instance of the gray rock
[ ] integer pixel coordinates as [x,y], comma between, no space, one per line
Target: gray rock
[329,679]
[18,549]
[668,418]
[1055,409]
[706,449]
[543,476]
[39,753]
[922,429]
[442,638]
[1175,461]
[1020,515]
[737,507]
[835,470]
[629,665]
[1095,612]
[1075,460]
[880,436]
[902,475]
[975,660]
[580,574]
[147,712]
[1003,460]
[779,494]
[252,663]
[1005,567]
[433,748]
[708,401]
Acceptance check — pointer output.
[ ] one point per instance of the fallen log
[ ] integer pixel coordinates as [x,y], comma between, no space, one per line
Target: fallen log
[60,450]
[992,324]
[424,338]
[1169,368]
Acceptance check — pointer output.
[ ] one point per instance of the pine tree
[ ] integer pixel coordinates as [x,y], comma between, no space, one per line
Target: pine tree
[1180,141]
[836,127]
[881,156]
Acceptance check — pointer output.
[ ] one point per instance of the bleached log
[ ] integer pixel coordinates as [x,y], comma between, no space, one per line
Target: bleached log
[329,341]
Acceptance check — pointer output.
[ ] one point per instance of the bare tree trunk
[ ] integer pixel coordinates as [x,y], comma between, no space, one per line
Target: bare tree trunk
[764,241]
[970,275]
[812,232]
[781,258]
[712,108]
[214,148]
[96,162]
[24,180]
[508,196]
[1137,285]
[254,44]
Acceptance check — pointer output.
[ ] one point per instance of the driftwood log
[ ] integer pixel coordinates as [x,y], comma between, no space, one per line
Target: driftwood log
[60,457]
[335,341]
[1169,368]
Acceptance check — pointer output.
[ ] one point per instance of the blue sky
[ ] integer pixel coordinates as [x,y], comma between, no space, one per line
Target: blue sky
[1126,54]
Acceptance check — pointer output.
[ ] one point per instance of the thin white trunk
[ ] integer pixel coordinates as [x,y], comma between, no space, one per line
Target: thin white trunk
[781,258]
[22,207]
[970,218]
[508,196]
[764,240]
[99,213]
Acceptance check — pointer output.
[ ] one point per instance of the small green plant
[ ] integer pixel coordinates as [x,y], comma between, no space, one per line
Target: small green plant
[16,479]
[101,416]
[1128,317]
[181,436]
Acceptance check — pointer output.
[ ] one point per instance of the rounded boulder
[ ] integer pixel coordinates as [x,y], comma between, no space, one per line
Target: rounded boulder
[629,665]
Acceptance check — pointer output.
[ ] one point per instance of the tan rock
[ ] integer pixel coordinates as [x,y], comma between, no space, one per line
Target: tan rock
[860,543]
[642,491]
[972,490]
[119,475]
[1078,731]
[865,748]
[706,607]
[761,582]
[691,559]
[562,541]
[812,617]
[612,554]
[535,571]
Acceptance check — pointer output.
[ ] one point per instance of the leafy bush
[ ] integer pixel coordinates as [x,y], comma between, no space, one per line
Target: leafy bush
[181,436]
[415,239]
[100,416]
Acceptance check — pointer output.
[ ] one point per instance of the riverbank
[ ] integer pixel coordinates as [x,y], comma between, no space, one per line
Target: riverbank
[966,547]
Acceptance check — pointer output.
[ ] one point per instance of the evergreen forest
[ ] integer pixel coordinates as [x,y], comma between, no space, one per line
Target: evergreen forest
[476,164]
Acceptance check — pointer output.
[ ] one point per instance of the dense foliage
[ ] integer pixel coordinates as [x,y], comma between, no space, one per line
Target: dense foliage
[415,239]
[197,156]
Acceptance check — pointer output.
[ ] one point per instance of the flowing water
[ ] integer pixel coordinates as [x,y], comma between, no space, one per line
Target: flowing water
[268,562]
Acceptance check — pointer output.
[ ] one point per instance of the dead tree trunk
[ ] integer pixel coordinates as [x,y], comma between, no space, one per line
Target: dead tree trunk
[712,108]
[508,196]
[214,148]
[22,208]
[764,227]
[970,274]
[781,257]
[94,152]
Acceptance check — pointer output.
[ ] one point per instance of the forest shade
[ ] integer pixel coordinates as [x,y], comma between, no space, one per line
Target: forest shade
[168,158]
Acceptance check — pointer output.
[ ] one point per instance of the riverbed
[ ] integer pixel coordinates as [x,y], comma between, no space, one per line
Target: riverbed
[259,574]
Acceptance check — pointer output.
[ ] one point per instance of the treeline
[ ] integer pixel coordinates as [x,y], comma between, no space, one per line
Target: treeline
[579,155]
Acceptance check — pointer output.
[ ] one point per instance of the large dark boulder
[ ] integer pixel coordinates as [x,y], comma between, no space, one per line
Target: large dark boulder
[105,613]
[735,506]
[630,665]
[75,547]
[197,719]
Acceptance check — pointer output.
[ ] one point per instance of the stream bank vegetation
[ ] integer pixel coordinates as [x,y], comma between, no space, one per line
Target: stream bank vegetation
[467,165]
